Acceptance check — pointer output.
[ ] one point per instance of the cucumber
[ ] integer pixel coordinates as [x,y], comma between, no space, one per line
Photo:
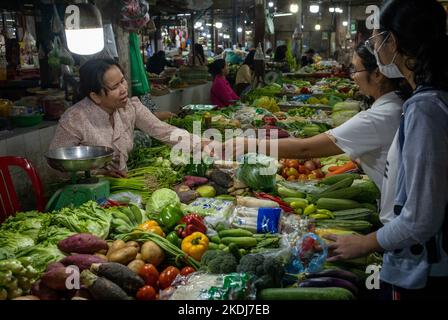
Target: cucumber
[235,233]
[370,206]
[353,214]
[215,239]
[336,178]
[344,183]
[213,246]
[353,225]
[344,193]
[328,293]
[241,242]
[337,204]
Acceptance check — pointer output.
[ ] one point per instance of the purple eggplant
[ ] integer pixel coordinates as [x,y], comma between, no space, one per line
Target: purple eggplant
[329,282]
[334,273]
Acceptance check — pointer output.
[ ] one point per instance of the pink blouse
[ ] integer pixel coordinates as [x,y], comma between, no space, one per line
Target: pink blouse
[221,92]
[85,123]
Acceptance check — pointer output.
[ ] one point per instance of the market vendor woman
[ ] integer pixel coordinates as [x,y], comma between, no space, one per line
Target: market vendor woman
[107,117]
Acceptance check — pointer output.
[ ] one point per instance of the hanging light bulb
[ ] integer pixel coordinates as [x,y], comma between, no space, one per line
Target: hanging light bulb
[198,24]
[331,9]
[294,8]
[239,29]
[84,29]
[314,8]
[317,27]
[218,25]
[270,4]
[345,23]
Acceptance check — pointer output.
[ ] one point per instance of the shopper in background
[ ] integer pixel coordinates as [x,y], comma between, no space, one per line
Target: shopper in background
[412,43]
[307,59]
[199,58]
[244,75]
[221,93]
[157,63]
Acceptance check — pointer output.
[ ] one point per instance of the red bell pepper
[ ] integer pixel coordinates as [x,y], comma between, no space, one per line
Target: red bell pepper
[283,205]
[191,223]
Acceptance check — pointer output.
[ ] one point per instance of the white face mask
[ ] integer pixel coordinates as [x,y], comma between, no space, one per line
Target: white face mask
[390,70]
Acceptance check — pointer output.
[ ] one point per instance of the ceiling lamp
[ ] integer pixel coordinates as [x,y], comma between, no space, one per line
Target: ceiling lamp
[294,8]
[239,29]
[345,23]
[317,27]
[197,25]
[331,9]
[314,8]
[218,25]
[84,29]
[270,4]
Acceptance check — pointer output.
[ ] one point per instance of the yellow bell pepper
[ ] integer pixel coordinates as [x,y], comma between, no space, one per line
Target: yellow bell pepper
[195,245]
[151,226]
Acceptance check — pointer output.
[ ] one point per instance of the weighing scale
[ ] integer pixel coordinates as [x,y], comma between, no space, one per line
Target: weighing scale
[79,189]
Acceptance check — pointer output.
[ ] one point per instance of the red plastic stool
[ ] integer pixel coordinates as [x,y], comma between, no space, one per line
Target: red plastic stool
[9,203]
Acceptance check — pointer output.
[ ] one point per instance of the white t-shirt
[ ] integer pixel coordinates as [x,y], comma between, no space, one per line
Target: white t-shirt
[389,183]
[367,136]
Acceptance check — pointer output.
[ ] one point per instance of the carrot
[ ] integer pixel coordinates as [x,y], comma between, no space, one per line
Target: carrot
[333,168]
[342,169]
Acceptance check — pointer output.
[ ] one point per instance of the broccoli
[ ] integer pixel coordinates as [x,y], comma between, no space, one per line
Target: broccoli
[218,262]
[269,271]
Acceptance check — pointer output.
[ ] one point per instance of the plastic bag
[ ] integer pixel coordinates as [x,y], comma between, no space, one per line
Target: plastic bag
[140,85]
[306,257]
[211,207]
[53,56]
[256,220]
[203,286]
[134,14]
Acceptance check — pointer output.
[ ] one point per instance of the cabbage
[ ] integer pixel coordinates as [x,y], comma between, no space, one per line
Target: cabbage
[347,105]
[160,199]
[257,171]
[341,117]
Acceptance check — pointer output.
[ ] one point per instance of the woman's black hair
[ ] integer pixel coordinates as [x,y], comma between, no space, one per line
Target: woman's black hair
[199,52]
[419,27]
[369,63]
[250,58]
[280,53]
[91,76]
[216,67]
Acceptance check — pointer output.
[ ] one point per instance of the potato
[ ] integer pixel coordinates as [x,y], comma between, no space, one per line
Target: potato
[133,244]
[29,297]
[103,252]
[136,265]
[123,255]
[152,253]
[116,245]
[139,256]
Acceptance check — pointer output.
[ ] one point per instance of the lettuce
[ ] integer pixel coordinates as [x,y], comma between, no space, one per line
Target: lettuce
[160,199]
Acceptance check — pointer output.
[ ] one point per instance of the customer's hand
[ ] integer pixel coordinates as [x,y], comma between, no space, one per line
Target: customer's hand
[346,247]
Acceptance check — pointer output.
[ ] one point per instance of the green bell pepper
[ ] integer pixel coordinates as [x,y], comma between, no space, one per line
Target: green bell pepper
[170,216]
[174,238]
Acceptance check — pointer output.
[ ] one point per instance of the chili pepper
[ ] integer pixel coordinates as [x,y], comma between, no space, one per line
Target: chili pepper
[283,205]
[170,216]
[195,219]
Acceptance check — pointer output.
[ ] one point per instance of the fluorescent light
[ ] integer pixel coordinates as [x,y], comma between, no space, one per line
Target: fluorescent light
[345,23]
[198,24]
[218,25]
[163,34]
[317,27]
[209,36]
[294,8]
[331,9]
[339,10]
[314,8]
[208,24]
[220,34]
[239,29]
[270,4]
[282,14]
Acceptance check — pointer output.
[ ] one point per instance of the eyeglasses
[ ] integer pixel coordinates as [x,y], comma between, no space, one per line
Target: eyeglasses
[370,43]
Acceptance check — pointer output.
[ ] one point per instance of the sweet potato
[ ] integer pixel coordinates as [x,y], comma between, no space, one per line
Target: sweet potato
[54,265]
[82,243]
[43,292]
[119,274]
[56,279]
[82,261]
[124,255]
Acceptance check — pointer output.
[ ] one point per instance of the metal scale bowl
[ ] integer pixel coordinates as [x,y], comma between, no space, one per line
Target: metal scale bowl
[80,189]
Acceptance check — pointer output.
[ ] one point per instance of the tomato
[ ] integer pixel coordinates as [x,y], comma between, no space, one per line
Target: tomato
[146,293]
[292,172]
[150,274]
[292,178]
[302,169]
[186,271]
[167,277]
[319,174]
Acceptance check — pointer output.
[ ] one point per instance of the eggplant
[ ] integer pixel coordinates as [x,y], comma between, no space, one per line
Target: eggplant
[334,273]
[329,282]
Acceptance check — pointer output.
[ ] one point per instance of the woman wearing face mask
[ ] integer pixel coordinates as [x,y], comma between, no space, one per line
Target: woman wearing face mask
[412,42]
[367,136]
[107,117]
